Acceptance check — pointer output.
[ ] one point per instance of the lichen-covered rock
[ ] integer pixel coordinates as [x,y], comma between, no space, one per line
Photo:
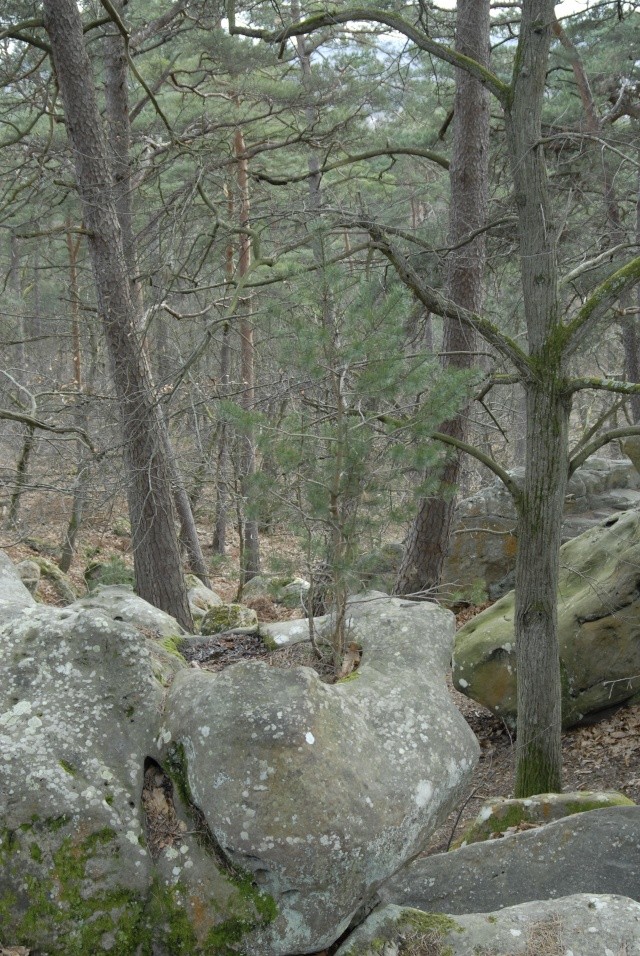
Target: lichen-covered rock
[281,633]
[81,704]
[226,617]
[592,852]
[598,628]
[14,596]
[587,925]
[322,791]
[121,604]
[503,815]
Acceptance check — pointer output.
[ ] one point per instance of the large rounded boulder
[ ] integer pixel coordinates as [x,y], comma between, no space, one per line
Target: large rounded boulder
[322,791]
[598,626]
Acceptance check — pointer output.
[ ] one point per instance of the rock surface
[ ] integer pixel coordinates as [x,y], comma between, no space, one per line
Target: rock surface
[483,546]
[80,715]
[289,591]
[598,628]
[594,852]
[322,791]
[30,574]
[120,604]
[581,925]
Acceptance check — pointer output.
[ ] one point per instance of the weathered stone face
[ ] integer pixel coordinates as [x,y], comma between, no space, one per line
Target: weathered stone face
[120,604]
[293,800]
[503,814]
[321,791]
[598,627]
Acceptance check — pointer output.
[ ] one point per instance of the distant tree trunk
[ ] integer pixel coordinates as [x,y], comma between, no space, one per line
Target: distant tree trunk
[15,284]
[81,480]
[22,471]
[250,534]
[427,542]
[156,551]
[222,465]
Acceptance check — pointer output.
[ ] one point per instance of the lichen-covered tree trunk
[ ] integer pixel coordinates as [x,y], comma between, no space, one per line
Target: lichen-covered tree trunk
[427,542]
[155,544]
[539,763]
[539,758]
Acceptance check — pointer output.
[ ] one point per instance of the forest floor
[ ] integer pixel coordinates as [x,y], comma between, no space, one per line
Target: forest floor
[603,755]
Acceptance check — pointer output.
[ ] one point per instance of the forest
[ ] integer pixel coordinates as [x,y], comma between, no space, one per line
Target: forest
[317,271]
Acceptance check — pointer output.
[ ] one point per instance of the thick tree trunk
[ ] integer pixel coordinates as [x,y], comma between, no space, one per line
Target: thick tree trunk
[539,756]
[539,759]
[427,542]
[155,545]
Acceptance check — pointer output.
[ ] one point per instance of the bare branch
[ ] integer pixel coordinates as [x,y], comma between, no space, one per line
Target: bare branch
[601,300]
[599,442]
[43,426]
[445,307]
[421,39]
[355,158]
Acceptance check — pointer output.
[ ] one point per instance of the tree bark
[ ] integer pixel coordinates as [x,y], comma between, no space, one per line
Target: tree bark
[156,552]
[427,542]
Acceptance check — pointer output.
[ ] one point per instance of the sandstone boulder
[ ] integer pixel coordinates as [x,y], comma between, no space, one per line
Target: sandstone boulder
[593,852]
[483,545]
[503,815]
[584,925]
[227,617]
[291,592]
[598,624]
[321,791]
[201,598]
[14,596]
[30,574]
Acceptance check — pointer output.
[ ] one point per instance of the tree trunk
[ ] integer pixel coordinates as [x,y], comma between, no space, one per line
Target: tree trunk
[427,542]
[539,757]
[81,480]
[251,544]
[117,111]
[156,552]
